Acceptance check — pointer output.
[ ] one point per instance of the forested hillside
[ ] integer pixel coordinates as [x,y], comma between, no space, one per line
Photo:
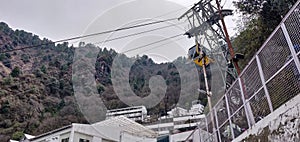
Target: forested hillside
[36,93]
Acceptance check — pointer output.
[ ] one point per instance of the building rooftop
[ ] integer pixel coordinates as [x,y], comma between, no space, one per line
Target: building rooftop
[124,124]
[51,132]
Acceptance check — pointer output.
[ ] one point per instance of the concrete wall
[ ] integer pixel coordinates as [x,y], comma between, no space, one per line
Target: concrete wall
[283,125]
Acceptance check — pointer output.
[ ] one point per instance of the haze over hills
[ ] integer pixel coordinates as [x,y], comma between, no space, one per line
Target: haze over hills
[37,95]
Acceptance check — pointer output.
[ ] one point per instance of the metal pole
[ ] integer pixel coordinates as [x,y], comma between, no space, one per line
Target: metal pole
[229,116]
[249,114]
[227,38]
[263,81]
[217,124]
[199,131]
[120,136]
[291,46]
[206,84]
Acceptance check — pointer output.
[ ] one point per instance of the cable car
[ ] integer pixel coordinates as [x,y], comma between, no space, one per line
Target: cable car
[194,54]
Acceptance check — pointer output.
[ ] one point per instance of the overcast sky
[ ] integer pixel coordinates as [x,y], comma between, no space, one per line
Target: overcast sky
[60,19]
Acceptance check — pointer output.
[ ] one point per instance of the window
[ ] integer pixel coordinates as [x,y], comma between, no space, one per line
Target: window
[84,140]
[65,140]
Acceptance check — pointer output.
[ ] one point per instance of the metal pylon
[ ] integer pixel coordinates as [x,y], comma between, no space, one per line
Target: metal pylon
[204,26]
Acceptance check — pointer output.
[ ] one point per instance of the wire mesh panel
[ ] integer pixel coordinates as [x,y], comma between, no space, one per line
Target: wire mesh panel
[239,122]
[211,138]
[211,122]
[275,54]
[284,86]
[234,97]
[221,110]
[203,130]
[217,83]
[259,105]
[226,133]
[282,81]
[251,80]
[202,124]
[204,135]
[293,27]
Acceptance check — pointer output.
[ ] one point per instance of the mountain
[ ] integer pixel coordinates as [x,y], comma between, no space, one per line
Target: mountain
[37,94]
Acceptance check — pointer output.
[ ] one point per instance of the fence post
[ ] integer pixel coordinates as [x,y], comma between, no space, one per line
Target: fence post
[229,118]
[206,124]
[199,132]
[263,81]
[217,125]
[249,114]
[291,46]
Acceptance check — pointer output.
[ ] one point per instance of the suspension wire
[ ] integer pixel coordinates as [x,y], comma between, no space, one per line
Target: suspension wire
[139,33]
[130,35]
[143,46]
[155,47]
[128,51]
[133,49]
[105,32]
[140,47]
[109,40]
[94,34]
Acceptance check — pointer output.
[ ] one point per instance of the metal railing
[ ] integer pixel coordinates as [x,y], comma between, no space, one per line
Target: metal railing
[271,79]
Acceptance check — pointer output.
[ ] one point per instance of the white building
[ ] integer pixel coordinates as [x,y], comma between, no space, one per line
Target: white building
[118,129]
[73,133]
[177,111]
[179,118]
[136,113]
[197,108]
[167,125]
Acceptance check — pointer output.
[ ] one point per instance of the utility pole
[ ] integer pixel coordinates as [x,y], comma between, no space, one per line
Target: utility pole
[236,65]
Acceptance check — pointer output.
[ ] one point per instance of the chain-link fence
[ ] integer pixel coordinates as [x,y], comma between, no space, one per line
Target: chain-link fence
[271,79]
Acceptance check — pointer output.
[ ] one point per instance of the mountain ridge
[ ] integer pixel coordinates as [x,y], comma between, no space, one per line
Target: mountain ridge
[37,95]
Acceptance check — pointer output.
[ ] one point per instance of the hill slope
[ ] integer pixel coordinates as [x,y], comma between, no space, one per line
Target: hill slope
[36,92]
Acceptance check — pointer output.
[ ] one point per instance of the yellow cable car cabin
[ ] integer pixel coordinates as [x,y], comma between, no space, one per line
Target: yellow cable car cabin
[194,54]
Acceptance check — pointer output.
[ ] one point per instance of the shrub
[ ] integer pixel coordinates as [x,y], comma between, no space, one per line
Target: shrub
[15,72]
[44,69]
[25,58]
[17,135]
[7,80]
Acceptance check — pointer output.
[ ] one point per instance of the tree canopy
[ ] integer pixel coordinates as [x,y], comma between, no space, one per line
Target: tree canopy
[263,17]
